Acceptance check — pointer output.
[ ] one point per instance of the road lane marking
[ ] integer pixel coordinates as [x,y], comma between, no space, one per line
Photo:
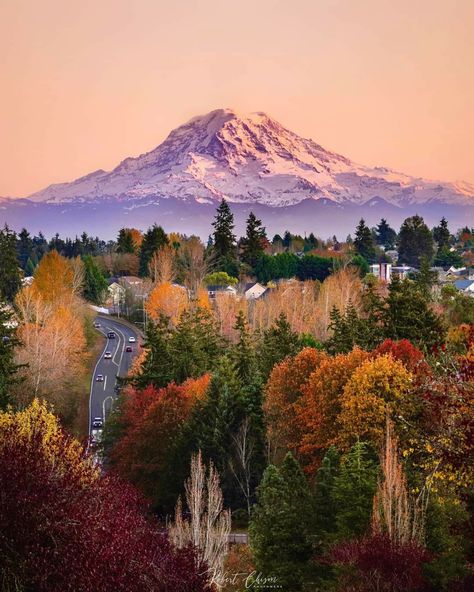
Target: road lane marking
[92,384]
[103,405]
[105,382]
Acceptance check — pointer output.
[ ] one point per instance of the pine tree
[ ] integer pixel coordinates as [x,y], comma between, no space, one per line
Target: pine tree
[364,242]
[10,273]
[407,315]
[441,234]
[425,279]
[353,492]
[385,234]
[157,367]
[224,247]
[95,285]
[415,242]
[279,341]
[29,268]
[8,343]
[154,238]
[279,526]
[24,248]
[254,241]
[125,242]
[324,505]
[243,352]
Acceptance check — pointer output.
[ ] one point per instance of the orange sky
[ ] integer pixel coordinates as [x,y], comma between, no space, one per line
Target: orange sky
[85,83]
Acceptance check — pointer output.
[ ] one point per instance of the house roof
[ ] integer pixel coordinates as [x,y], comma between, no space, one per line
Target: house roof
[463,284]
[219,288]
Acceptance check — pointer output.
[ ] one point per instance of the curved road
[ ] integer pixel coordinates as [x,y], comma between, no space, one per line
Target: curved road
[102,394]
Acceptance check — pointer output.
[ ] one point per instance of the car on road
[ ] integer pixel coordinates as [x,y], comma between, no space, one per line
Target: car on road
[99,378]
[111,334]
[97,325]
[97,423]
[129,348]
[131,339]
[107,355]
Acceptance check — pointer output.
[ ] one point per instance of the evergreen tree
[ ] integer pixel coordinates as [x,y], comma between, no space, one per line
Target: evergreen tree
[224,247]
[10,273]
[351,329]
[385,234]
[254,241]
[279,341]
[278,529]
[125,243]
[157,367]
[415,242]
[8,343]
[441,234]
[407,315]
[425,279]
[24,248]
[446,258]
[154,238]
[243,352]
[29,268]
[95,285]
[364,242]
[353,492]
[325,508]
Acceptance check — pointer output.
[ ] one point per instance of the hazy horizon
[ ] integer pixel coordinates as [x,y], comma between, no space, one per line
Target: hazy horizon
[87,85]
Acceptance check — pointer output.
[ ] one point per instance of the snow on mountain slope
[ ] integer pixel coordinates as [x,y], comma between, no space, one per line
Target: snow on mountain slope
[249,159]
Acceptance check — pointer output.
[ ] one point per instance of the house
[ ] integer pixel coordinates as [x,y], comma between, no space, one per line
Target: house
[402,271]
[254,290]
[465,286]
[116,293]
[212,291]
[28,280]
[382,270]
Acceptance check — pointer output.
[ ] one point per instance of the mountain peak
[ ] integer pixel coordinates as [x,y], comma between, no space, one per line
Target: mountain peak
[249,158]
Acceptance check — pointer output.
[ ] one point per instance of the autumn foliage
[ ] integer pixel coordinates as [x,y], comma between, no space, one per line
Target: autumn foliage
[149,421]
[283,391]
[62,531]
[168,299]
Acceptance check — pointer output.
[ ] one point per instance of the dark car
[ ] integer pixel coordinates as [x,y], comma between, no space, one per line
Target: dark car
[111,334]
[97,423]
[129,348]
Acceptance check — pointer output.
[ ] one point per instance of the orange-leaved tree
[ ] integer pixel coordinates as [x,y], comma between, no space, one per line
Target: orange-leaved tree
[168,299]
[319,407]
[282,392]
[377,387]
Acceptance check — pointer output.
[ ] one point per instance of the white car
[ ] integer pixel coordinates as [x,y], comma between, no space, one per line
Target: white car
[131,340]
[107,355]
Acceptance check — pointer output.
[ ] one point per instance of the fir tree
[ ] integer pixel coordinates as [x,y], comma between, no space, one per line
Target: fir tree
[425,279]
[324,505]
[253,243]
[441,234]
[10,273]
[353,492]
[243,352]
[279,526]
[415,242]
[279,341]
[95,285]
[224,247]
[154,238]
[8,343]
[385,234]
[29,268]
[407,315]
[157,367]
[24,248]
[364,242]
[125,243]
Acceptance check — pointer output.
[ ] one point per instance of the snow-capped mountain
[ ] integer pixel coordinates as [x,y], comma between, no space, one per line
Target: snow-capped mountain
[253,162]
[250,159]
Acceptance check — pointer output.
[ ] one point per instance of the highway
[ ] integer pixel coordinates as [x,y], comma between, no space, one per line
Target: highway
[102,394]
